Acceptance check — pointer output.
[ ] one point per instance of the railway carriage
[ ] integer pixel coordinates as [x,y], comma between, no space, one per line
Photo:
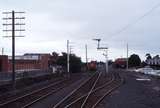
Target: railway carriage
[92,66]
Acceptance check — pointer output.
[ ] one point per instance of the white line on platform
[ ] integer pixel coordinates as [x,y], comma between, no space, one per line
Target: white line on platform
[143,79]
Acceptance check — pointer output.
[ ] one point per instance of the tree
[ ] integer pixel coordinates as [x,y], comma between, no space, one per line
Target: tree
[134,60]
[110,62]
[157,57]
[53,58]
[143,64]
[55,54]
[148,56]
[75,62]
[62,60]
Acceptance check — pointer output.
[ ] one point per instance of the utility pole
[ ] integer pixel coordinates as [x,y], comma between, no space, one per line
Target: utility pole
[106,56]
[70,49]
[2,51]
[86,57]
[127,58]
[68,58]
[12,22]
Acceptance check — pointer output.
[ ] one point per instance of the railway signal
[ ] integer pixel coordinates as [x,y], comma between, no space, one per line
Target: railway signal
[98,40]
[106,52]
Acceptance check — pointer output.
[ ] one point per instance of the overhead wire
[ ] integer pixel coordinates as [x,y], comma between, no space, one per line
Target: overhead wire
[136,21]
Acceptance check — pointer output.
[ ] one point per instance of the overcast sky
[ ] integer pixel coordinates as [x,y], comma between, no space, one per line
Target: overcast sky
[49,23]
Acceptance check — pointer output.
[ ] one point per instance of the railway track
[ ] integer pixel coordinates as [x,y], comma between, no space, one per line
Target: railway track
[84,88]
[33,97]
[88,95]
[94,96]
[12,95]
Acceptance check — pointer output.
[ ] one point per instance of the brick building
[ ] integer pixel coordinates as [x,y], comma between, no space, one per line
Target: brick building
[28,61]
[3,63]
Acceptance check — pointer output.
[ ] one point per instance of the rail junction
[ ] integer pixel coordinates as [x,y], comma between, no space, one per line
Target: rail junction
[88,94]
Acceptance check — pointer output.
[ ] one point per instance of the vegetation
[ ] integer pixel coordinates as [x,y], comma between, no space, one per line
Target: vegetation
[134,60]
[75,62]
[143,64]
[53,58]
[148,56]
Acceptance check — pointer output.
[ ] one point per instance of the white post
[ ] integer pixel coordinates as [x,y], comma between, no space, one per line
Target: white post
[127,58]
[106,55]
[68,57]
[106,61]
[2,51]
[86,57]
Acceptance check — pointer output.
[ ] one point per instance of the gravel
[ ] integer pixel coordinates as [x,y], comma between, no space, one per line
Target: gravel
[134,93]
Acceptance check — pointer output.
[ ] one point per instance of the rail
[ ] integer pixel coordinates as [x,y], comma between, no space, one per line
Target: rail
[84,88]
[21,101]
[90,100]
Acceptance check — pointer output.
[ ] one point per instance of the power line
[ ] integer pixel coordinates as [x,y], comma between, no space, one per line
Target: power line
[137,20]
[13,30]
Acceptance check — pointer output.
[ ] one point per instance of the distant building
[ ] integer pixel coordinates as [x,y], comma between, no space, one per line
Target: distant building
[28,61]
[153,61]
[3,63]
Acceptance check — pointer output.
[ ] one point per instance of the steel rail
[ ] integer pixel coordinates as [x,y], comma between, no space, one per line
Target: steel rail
[69,97]
[112,84]
[30,94]
[5,97]
[89,93]
[81,99]
[42,97]
[109,92]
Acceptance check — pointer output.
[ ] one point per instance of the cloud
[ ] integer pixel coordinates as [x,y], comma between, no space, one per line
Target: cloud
[49,23]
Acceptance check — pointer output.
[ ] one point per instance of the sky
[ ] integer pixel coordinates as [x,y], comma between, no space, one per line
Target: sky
[50,23]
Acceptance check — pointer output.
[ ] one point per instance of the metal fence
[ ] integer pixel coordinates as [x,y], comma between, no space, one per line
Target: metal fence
[7,76]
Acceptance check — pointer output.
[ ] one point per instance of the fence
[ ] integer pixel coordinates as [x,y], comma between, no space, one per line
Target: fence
[7,76]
